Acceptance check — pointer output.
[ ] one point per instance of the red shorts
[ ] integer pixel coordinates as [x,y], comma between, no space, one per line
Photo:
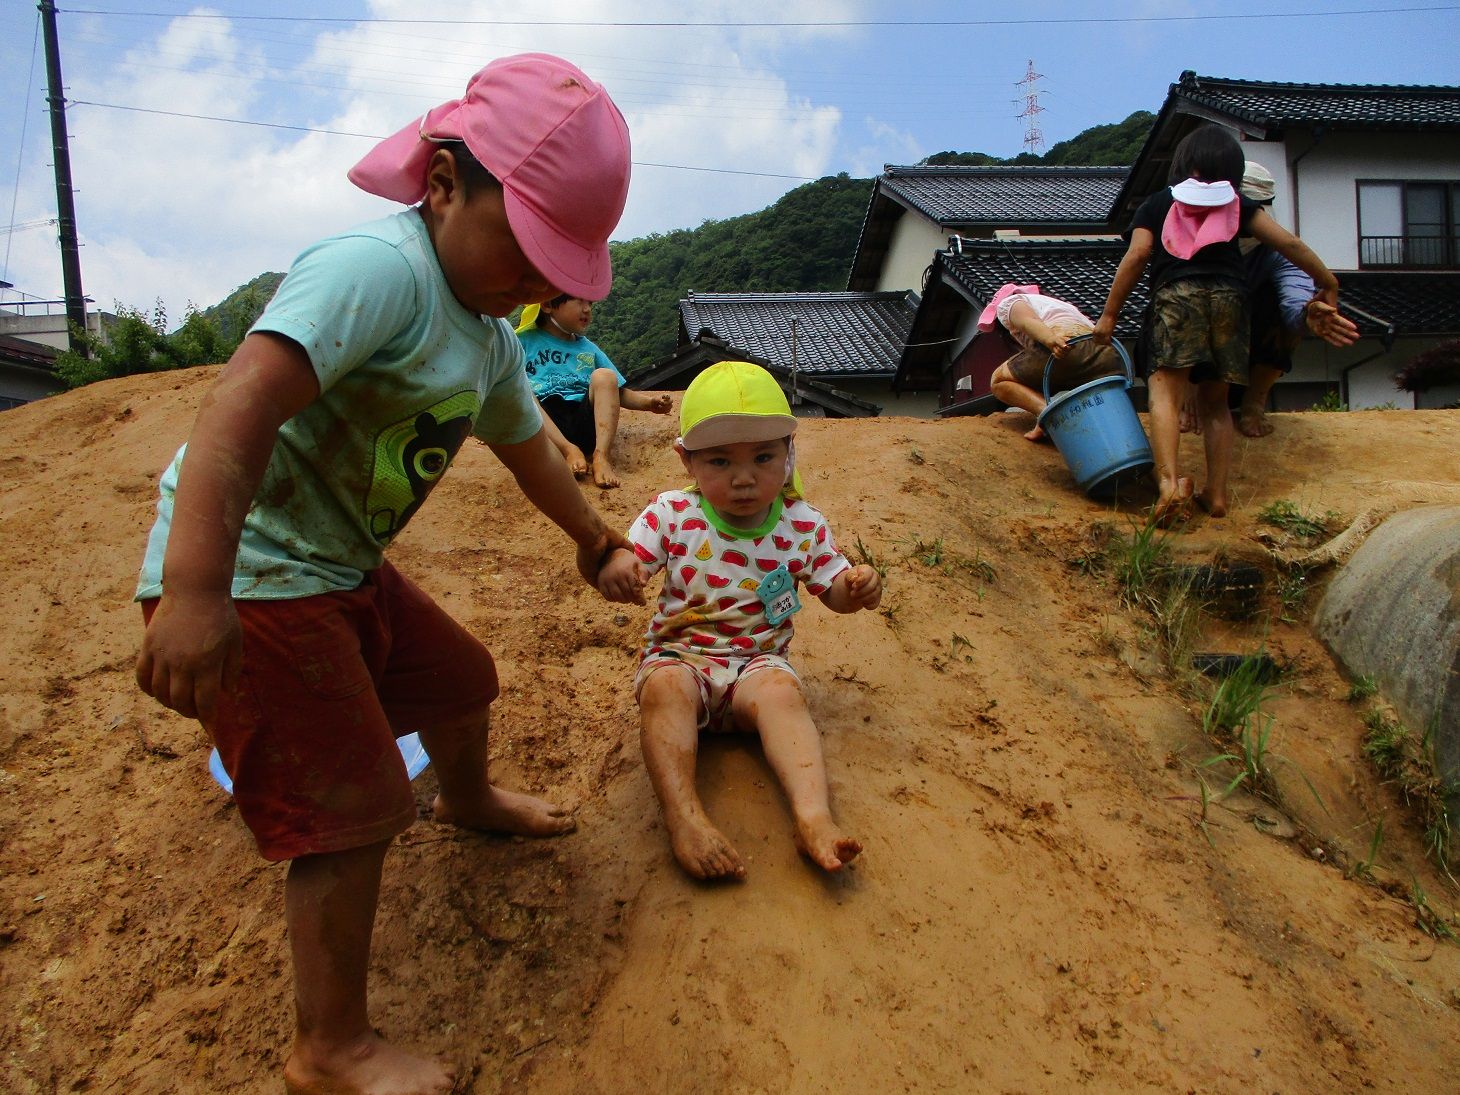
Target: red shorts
[328,682]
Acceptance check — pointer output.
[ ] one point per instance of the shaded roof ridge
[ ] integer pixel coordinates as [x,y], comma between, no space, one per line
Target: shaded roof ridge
[895,170]
[1192,80]
[853,295]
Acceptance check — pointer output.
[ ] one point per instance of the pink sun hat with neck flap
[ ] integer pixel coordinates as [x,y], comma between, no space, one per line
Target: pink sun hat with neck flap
[1202,214]
[553,139]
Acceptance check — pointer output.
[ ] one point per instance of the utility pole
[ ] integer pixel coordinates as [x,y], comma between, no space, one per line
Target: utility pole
[61,158]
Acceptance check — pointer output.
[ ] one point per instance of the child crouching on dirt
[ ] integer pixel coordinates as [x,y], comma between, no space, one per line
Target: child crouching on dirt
[273,616]
[1043,327]
[1189,233]
[734,548]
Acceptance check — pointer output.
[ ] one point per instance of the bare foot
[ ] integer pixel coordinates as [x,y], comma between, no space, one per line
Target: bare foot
[1253,422]
[1036,434]
[702,849]
[507,812]
[577,462]
[824,844]
[603,471]
[1216,507]
[369,1065]
[1173,507]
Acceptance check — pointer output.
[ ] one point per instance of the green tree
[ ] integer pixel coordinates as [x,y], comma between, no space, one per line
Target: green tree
[138,342]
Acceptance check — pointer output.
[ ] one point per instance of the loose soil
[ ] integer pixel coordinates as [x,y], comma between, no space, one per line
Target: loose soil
[1043,902]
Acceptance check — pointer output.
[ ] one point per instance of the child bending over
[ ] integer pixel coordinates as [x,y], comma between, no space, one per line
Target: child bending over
[578,386]
[273,616]
[734,549]
[1042,326]
[1188,233]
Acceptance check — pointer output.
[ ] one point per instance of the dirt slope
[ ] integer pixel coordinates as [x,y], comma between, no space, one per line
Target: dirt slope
[1037,907]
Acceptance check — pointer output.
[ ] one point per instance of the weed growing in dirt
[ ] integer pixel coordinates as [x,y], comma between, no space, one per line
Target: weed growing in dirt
[1413,766]
[1331,401]
[1384,742]
[958,643]
[1235,717]
[1178,625]
[1138,561]
[1426,919]
[1365,868]
[935,555]
[1292,592]
[864,555]
[916,457]
[1287,516]
[927,552]
[1362,688]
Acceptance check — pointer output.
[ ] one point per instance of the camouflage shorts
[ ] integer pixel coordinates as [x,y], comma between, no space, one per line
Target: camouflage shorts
[1201,325]
[1084,362]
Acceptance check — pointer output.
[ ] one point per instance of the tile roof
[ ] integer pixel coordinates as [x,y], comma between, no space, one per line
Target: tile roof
[837,334]
[982,199]
[1342,106]
[689,359]
[1005,196]
[965,277]
[1265,111]
[1079,271]
[1414,302]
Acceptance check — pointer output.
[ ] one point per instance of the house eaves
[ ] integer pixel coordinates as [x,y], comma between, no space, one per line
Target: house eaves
[1268,111]
[1036,199]
[827,336]
[965,277]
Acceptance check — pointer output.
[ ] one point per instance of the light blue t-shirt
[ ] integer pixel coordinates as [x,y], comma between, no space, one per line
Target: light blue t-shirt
[405,374]
[561,368]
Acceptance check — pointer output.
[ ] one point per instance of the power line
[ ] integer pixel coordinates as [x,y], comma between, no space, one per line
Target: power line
[379,137]
[20,152]
[770,24]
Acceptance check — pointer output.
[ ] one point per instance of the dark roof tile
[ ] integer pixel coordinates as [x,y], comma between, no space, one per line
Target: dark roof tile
[1343,106]
[837,334]
[1006,196]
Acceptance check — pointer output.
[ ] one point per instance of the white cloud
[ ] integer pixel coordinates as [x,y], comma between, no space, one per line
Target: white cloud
[182,209]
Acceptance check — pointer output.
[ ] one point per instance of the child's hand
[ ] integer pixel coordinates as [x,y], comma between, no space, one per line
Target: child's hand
[864,587]
[193,649]
[1058,345]
[622,578]
[1104,330]
[662,403]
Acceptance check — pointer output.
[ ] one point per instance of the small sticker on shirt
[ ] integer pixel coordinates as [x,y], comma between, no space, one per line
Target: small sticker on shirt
[777,591]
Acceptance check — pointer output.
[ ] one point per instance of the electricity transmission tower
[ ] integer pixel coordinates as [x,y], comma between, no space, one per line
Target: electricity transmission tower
[1033,137]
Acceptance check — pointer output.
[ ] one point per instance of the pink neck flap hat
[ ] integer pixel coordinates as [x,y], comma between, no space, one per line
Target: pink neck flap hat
[1202,214]
[988,318]
[553,139]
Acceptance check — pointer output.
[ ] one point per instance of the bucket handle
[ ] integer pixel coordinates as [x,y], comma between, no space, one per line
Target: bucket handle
[1119,349]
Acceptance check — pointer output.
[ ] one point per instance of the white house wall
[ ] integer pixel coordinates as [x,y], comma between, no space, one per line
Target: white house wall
[910,253]
[1327,212]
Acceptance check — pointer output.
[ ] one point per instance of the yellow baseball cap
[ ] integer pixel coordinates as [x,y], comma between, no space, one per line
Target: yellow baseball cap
[731,402]
[528,319]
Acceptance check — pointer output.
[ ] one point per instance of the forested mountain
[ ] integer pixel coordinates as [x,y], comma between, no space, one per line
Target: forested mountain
[803,242]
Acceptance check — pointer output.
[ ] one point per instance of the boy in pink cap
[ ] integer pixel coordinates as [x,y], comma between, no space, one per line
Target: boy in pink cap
[272,615]
[1188,232]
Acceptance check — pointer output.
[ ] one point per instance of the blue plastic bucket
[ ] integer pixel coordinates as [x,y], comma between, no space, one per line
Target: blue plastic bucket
[412,752]
[1096,429]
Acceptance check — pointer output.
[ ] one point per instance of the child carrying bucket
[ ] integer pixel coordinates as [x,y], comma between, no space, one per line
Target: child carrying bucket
[1188,233]
[1042,326]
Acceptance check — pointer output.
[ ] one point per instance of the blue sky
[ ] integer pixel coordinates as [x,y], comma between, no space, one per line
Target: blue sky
[726,114]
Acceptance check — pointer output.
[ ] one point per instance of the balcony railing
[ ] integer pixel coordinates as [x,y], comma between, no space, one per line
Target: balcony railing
[1408,251]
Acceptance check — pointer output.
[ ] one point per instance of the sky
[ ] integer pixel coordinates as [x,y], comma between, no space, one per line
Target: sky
[210,143]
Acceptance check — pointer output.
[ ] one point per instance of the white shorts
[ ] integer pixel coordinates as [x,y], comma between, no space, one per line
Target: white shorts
[715,676]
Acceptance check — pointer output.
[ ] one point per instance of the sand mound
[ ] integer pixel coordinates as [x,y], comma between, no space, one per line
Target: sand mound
[1039,905]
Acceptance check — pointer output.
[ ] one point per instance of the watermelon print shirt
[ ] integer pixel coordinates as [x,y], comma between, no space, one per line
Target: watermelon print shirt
[708,603]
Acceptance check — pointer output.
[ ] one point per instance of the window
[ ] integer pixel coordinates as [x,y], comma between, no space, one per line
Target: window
[1409,224]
